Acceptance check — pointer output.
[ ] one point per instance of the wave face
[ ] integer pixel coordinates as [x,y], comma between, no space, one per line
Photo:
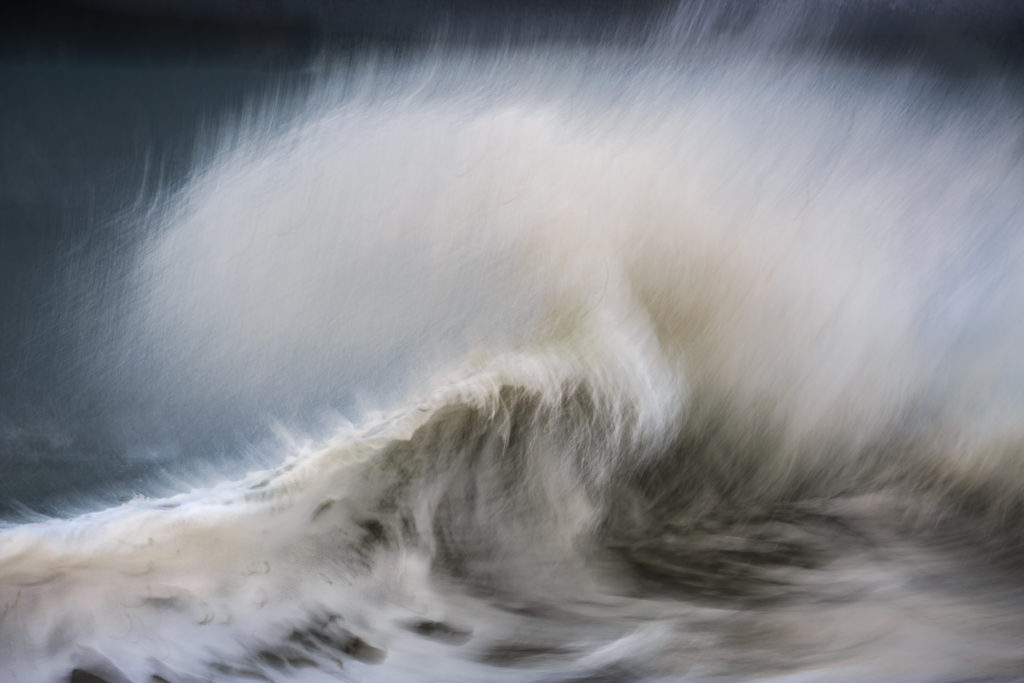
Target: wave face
[690,358]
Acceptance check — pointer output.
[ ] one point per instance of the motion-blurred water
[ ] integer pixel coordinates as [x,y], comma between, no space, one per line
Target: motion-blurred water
[687,355]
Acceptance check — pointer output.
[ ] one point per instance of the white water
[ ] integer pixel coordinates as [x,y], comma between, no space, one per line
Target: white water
[644,303]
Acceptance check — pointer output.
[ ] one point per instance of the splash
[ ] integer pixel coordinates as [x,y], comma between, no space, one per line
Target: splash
[701,357]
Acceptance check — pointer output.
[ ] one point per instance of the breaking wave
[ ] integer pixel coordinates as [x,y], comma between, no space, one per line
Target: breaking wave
[685,361]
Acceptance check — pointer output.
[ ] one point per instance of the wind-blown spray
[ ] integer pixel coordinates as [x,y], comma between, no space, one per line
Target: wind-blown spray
[710,346]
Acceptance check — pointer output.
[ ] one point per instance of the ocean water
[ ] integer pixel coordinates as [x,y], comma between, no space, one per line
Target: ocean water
[688,354]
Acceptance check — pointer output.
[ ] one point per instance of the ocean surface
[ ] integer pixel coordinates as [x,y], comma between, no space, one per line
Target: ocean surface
[681,345]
